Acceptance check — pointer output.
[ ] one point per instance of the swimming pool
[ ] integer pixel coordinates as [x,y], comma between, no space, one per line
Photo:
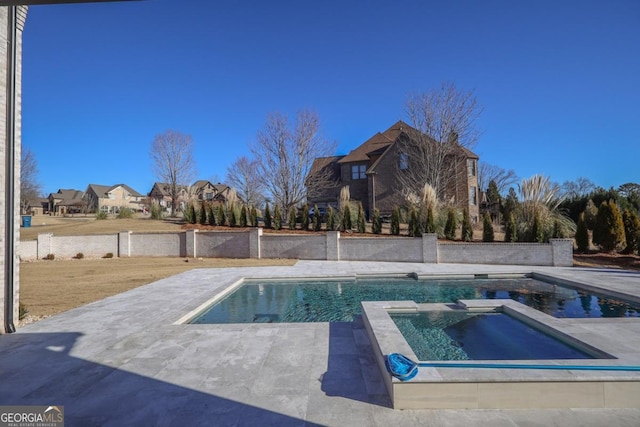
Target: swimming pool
[294,301]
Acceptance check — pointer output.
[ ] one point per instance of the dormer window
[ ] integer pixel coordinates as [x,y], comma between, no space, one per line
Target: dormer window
[358,172]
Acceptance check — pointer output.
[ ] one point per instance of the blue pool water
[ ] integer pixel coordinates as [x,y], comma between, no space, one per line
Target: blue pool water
[459,335]
[328,301]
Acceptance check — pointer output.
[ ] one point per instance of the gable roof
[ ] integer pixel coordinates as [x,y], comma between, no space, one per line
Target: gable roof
[163,188]
[201,183]
[103,190]
[67,196]
[379,143]
[397,129]
[130,190]
[376,143]
[321,163]
[98,190]
[220,187]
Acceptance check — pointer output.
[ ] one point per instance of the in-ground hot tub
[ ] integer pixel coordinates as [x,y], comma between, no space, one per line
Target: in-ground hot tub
[581,375]
[459,334]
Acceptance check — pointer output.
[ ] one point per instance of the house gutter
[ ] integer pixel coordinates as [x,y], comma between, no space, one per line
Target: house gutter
[10,152]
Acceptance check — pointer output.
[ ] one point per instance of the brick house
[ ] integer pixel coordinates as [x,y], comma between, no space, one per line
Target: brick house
[371,172]
[204,190]
[112,198]
[201,190]
[161,194]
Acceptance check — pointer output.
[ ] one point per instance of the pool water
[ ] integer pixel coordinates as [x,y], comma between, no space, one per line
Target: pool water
[455,335]
[330,301]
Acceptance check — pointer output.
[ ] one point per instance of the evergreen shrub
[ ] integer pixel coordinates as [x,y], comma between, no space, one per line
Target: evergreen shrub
[487,228]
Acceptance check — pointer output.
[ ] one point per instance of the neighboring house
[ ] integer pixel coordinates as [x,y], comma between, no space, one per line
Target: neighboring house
[65,202]
[111,199]
[493,208]
[224,193]
[37,206]
[204,190]
[201,190]
[161,194]
[371,170]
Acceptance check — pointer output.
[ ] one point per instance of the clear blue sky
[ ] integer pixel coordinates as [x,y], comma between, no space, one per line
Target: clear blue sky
[559,80]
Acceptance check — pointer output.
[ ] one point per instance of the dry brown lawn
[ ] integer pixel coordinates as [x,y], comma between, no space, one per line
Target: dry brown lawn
[83,225]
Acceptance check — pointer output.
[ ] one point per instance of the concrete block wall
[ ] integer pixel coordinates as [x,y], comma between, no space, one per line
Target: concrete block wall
[495,253]
[407,249]
[253,243]
[69,246]
[293,246]
[158,244]
[222,244]
[28,250]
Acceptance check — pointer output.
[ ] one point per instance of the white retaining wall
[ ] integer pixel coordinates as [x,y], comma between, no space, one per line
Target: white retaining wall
[402,249]
[294,246]
[222,244]
[329,246]
[69,246]
[156,244]
[28,249]
[495,253]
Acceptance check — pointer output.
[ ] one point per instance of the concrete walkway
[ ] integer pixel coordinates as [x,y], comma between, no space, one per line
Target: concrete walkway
[123,361]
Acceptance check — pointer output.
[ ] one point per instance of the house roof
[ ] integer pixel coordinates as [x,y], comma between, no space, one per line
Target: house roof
[380,142]
[397,129]
[99,190]
[469,153]
[373,144]
[220,187]
[321,163]
[131,191]
[163,188]
[102,190]
[37,201]
[201,183]
[67,196]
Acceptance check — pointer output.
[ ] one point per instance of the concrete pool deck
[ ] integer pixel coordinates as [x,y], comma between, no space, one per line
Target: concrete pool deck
[123,361]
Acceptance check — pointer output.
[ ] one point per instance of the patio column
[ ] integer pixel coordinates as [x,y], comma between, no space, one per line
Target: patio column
[192,244]
[333,246]
[430,248]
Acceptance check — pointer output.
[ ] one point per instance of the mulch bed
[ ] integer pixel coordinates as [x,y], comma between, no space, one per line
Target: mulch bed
[608,260]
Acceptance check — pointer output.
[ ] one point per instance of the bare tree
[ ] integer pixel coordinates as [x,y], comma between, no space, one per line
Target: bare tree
[244,176]
[29,185]
[444,122]
[286,154]
[173,163]
[581,187]
[502,177]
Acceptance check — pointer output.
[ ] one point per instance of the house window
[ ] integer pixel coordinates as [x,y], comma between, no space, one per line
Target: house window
[403,161]
[471,167]
[208,196]
[358,171]
[472,196]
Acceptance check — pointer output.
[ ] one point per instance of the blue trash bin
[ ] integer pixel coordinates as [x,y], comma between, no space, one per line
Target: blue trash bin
[26,221]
